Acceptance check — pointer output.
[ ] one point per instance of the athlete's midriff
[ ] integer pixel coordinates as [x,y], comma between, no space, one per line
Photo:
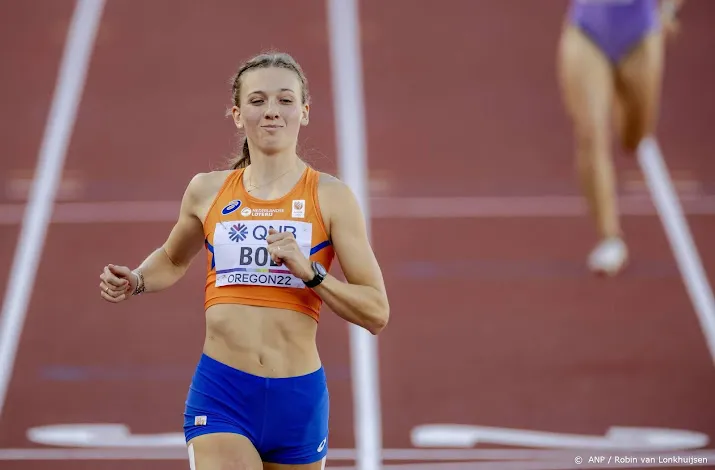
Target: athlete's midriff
[263,341]
[260,318]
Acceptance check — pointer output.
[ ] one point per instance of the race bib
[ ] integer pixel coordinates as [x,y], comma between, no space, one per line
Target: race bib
[241,252]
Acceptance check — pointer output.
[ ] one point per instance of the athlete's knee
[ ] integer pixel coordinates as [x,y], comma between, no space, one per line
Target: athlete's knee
[639,116]
[633,132]
[630,141]
[591,141]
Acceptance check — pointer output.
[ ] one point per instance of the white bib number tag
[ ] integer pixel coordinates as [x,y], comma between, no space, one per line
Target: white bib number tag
[241,252]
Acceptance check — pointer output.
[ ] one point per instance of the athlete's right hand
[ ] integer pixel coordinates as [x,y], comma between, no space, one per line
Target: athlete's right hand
[118,283]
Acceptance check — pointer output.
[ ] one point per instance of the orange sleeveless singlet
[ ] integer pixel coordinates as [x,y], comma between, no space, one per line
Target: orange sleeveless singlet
[239,268]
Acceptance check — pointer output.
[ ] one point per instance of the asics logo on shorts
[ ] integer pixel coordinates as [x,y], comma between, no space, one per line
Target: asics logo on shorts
[322,445]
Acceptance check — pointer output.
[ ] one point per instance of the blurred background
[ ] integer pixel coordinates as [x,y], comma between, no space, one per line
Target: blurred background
[476,219]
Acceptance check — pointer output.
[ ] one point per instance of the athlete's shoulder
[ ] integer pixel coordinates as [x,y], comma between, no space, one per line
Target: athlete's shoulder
[335,195]
[202,190]
[331,187]
[207,184]
[329,182]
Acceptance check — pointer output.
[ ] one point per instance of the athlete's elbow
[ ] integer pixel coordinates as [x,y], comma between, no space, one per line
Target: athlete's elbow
[380,319]
[376,327]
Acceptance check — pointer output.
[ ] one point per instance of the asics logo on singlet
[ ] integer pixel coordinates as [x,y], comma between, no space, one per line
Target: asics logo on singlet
[238,232]
[231,206]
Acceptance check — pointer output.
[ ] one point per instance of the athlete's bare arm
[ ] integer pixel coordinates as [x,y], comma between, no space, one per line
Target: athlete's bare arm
[363,299]
[167,264]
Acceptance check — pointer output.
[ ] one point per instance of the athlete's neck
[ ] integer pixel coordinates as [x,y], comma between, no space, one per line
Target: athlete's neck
[271,171]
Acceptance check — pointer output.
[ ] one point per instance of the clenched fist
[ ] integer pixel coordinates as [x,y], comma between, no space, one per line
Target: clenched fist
[284,250]
[118,283]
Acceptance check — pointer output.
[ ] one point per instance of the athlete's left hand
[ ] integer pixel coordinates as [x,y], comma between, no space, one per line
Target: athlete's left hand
[284,250]
[669,17]
[671,26]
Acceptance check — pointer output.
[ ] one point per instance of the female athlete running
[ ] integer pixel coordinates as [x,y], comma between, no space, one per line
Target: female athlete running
[271,227]
[611,52]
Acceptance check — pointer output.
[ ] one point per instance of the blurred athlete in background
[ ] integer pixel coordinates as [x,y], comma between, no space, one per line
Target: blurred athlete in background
[611,61]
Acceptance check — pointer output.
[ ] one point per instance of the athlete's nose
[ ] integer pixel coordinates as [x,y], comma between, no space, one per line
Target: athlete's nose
[271,110]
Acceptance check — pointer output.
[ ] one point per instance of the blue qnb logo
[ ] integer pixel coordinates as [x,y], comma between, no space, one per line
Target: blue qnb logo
[238,232]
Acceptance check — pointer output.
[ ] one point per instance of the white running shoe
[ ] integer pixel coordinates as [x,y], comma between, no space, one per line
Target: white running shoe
[609,256]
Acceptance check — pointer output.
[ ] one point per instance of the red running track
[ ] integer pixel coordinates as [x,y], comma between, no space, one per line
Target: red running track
[495,320]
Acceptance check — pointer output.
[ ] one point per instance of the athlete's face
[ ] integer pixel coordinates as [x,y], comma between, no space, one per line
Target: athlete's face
[271,111]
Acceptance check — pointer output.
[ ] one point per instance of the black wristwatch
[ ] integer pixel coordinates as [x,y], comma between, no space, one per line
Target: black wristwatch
[320,274]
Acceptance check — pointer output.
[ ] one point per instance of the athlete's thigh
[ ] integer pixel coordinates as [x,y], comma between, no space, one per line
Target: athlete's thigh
[638,87]
[586,80]
[308,466]
[223,451]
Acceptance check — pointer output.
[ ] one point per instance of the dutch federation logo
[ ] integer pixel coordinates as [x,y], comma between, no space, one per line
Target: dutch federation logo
[231,206]
[238,232]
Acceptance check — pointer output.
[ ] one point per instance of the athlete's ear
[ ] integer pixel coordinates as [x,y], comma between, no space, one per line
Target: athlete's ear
[306,115]
[236,114]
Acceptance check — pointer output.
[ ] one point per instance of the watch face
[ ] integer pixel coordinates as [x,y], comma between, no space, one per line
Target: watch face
[320,270]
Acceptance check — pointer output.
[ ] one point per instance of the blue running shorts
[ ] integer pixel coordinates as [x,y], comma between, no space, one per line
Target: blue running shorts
[286,419]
